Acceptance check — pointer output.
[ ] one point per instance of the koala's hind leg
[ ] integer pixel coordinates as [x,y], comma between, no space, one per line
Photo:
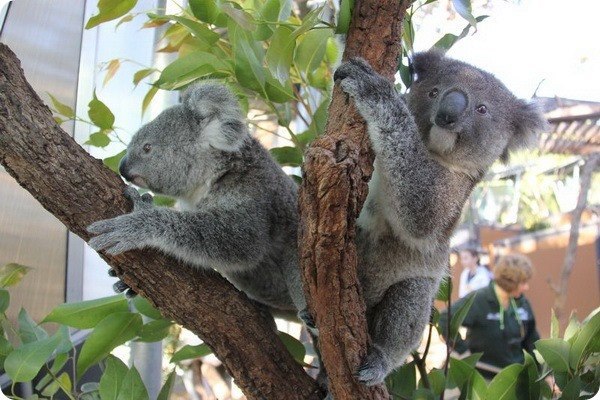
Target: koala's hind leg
[396,325]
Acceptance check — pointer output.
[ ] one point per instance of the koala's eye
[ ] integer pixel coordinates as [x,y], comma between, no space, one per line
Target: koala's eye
[481,109]
[147,147]
[433,94]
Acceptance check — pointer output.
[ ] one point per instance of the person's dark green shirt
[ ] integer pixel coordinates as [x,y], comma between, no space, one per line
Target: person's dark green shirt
[500,347]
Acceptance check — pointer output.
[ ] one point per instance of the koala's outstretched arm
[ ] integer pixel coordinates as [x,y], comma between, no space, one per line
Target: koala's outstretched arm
[225,239]
[411,192]
[396,324]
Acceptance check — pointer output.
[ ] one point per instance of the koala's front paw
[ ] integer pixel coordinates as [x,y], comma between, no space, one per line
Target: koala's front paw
[354,76]
[143,202]
[116,235]
[374,367]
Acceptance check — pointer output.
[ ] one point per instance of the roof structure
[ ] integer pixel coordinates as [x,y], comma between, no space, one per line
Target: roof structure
[574,126]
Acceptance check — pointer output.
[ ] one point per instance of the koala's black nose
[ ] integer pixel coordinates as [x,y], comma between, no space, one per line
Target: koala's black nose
[451,107]
[123,169]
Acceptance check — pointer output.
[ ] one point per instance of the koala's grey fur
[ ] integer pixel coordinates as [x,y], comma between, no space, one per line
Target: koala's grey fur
[431,147]
[237,208]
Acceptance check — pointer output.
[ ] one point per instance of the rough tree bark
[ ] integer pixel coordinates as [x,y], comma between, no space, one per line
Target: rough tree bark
[336,171]
[79,190]
[561,289]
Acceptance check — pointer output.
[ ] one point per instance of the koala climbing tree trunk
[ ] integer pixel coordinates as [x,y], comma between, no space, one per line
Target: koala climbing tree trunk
[79,190]
[336,173]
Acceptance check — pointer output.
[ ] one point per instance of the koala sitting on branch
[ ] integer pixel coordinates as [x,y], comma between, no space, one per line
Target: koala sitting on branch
[237,208]
[431,148]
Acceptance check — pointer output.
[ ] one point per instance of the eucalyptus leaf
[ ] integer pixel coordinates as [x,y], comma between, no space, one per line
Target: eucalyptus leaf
[109,10]
[62,108]
[99,139]
[141,74]
[12,273]
[312,49]
[4,300]
[155,331]
[165,391]
[29,331]
[112,378]
[240,17]
[344,17]
[287,156]
[112,331]
[587,341]
[463,8]
[505,383]
[132,387]
[403,381]
[63,381]
[555,353]
[280,53]
[294,346]
[278,93]
[87,314]
[189,352]
[113,162]
[25,362]
[205,10]
[459,315]
[100,114]
[144,307]
[248,67]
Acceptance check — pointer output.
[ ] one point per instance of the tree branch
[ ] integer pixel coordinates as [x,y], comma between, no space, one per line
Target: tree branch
[79,190]
[337,169]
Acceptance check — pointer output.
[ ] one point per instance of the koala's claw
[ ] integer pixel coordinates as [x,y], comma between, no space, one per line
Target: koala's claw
[120,287]
[142,202]
[113,236]
[373,369]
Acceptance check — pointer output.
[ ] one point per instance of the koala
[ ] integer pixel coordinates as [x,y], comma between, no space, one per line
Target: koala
[237,209]
[431,146]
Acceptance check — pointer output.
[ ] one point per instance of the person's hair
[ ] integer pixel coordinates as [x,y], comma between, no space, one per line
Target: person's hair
[511,270]
[473,252]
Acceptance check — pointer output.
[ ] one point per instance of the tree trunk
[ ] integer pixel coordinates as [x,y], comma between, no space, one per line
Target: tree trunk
[337,169]
[561,290]
[79,190]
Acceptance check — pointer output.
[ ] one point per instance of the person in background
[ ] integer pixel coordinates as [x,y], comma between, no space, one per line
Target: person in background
[500,323]
[473,276]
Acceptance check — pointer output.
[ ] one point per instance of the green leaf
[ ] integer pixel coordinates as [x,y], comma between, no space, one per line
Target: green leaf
[239,17]
[4,300]
[188,352]
[155,331]
[555,353]
[294,346]
[62,108]
[403,381]
[65,345]
[166,388]
[87,314]
[199,30]
[423,394]
[111,332]
[449,40]
[99,139]
[189,68]
[11,274]
[572,329]
[163,201]
[59,362]
[112,378]
[310,21]
[345,15]
[24,363]
[477,388]
[437,380]
[144,307]
[332,52]
[505,383]
[463,8]
[248,66]
[272,11]
[63,381]
[205,10]
[141,74]
[587,341]
[100,114]
[132,387]
[109,10]
[529,378]
[459,372]
[554,327]
[281,52]
[572,389]
[287,156]
[113,162]
[312,49]
[29,331]
[460,314]
[444,290]
[278,93]
[408,33]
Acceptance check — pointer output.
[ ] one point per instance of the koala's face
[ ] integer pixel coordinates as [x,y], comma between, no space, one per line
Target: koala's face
[466,117]
[182,148]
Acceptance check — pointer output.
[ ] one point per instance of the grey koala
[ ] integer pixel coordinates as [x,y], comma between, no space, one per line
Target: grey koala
[237,208]
[431,148]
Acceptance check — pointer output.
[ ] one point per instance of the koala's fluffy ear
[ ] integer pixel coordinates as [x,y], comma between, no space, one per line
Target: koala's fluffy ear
[225,130]
[425,62]
[527,122]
